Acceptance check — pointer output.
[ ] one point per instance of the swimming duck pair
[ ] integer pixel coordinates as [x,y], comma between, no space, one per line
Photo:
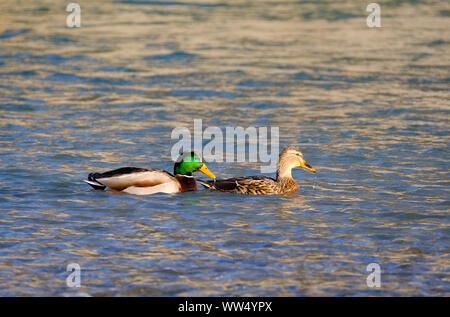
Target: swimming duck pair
[143,181]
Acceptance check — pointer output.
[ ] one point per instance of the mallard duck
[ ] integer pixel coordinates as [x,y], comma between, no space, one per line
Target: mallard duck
[289,158]
[145,181]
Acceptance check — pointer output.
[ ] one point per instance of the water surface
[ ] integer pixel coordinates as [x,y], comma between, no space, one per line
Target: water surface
[368,107]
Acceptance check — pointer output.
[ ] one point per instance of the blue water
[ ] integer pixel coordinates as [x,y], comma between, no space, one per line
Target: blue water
[368,107]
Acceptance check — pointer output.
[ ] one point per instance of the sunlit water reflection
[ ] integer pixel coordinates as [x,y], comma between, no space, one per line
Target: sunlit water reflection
[368,107]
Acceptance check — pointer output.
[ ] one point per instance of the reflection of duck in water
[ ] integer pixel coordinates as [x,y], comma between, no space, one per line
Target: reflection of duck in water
[289,158]
[143,181]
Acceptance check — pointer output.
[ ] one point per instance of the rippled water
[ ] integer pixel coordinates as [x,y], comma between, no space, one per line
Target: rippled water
[368,107]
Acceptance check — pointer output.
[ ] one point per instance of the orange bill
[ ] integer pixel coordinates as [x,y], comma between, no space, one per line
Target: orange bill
[308,167]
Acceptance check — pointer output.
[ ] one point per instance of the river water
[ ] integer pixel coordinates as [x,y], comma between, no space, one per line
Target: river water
[369,108]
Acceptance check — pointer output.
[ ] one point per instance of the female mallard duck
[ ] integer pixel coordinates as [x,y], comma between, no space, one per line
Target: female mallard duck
[145,181]
[289,158]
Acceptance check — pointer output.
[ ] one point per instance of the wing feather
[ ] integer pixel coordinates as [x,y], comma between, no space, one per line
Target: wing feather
[125,177]
[255,185]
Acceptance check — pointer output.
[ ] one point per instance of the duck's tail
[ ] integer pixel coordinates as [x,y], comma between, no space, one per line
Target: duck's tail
[93,182]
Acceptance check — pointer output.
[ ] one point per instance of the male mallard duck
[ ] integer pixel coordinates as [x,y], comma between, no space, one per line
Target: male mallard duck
[145,181]
[289,158]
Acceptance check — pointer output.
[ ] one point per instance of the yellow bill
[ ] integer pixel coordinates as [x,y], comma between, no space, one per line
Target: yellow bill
[206,171]
[308,167]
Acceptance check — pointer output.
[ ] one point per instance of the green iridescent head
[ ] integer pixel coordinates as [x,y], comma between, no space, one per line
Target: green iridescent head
[189,163]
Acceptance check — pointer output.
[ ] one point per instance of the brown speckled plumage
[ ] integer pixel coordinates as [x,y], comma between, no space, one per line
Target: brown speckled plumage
[289,158]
